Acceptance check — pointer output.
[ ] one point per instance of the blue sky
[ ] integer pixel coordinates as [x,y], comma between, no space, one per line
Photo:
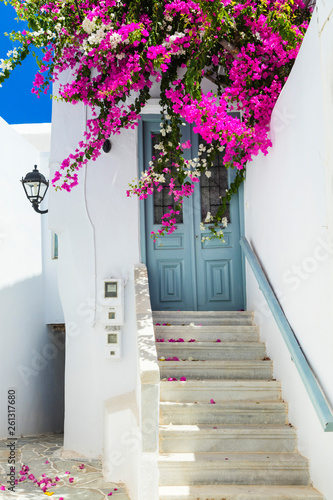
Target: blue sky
[17,103]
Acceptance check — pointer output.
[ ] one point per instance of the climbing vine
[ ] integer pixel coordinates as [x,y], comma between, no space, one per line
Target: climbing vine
[115,50]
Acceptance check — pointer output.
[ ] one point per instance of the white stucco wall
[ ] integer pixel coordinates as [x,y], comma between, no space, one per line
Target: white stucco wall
[31,356]
[288,210]
[39,136]
[97,226]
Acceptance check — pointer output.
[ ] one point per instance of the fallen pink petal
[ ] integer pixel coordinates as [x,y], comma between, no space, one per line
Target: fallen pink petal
[171,379]
[71,479]
[218,340]
[182,379]
[2,488]
[212,402]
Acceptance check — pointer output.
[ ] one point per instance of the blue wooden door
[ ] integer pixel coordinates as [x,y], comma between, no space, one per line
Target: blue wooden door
[186,273]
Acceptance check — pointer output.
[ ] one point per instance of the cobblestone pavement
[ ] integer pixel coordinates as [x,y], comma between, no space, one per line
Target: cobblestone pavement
[43,455]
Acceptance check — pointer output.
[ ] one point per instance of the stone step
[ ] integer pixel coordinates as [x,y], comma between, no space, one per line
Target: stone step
[234,412]
[227,438]
[212,350]
[204,391]
[234,492]
[203,317]
[208,333]
[233,468]
[217,369]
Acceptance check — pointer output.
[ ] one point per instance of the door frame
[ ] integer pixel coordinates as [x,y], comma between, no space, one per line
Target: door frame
[155,118]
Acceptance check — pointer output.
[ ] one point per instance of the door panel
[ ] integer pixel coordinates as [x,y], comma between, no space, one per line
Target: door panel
[218,262]
[186,273]
[170,259]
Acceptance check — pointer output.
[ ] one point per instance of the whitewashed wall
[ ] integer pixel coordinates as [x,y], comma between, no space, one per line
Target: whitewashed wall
[98,230]
[39,136]
[288,209]
[31,357]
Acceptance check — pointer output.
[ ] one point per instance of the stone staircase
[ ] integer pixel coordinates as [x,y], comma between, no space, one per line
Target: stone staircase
[224,431]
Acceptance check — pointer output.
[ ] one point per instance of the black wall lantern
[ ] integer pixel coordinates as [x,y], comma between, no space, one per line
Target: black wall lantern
[35,186]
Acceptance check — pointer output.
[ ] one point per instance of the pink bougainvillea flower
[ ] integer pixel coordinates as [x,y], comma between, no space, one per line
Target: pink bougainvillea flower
[192,340]
[31,477]
[158,324]
[180,340]
[47,462]
[71,479]
[81,466]
[171,379]
[110,494]
[218,340]
[2,488]
[212,402]
[67,472]
[175,358]
[116,489]
[126,64]
[182,379]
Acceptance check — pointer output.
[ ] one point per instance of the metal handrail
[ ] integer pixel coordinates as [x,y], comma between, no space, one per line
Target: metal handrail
[312,387]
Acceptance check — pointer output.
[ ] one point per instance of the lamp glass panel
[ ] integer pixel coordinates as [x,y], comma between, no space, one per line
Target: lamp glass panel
[32,189]
[42,191]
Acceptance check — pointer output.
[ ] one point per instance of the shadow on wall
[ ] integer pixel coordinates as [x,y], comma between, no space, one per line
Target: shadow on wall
[32,361]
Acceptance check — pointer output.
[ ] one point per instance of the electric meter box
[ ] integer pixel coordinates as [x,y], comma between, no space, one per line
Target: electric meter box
[113,343]
[113,302]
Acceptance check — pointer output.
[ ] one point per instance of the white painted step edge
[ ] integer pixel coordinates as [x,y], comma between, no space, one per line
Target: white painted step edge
[235,492]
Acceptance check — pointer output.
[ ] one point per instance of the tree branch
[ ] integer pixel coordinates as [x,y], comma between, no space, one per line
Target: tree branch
[230,48]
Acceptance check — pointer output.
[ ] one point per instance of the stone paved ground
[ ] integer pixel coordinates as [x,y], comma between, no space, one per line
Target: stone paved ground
[88,483]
